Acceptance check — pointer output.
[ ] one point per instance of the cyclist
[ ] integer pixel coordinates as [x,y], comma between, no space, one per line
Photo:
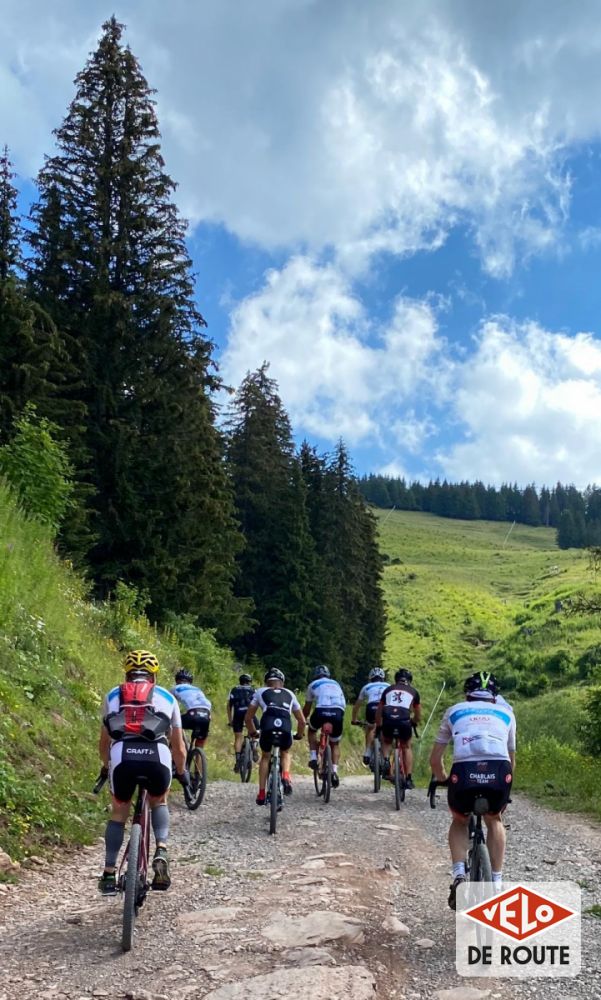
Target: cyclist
[398,702]
[197,714]
[238,701]
[370,693]
[326,698]
[483,732]
[278,705]
[139,718]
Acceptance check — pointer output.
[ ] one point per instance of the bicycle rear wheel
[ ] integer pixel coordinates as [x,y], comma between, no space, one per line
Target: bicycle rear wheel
[197,766]
[274,782]
[246,762]
[479,863]
[327,773]
[132,886]
[377,761]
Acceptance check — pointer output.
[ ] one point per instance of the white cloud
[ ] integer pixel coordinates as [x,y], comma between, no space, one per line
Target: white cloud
[529,401]
[338,374]
[364,127]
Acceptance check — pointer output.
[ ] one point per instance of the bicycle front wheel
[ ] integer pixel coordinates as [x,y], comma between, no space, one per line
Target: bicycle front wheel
[246,762]
[132,883]
[197,766]
[275,788]
[479,865]
[327,773]
[377,761]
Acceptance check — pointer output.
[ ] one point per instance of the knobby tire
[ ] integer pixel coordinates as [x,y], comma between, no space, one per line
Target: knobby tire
[132,885]
[246,763]
[273,811]
[197,767]
[399,780]
[327,773]
[377,759]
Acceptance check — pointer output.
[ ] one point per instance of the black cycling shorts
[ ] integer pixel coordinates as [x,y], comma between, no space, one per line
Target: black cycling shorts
[395,727]
[138,768]
[469,780]
[270,738]
[335,716]
[199,721]
[370,713]
[238,719]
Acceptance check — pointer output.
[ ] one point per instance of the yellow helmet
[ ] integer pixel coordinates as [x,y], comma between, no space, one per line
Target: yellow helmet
[141,659]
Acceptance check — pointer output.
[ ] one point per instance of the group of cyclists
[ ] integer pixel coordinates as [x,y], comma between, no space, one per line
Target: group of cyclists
[141,738]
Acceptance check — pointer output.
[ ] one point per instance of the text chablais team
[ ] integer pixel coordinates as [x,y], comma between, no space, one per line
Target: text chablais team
[141,739]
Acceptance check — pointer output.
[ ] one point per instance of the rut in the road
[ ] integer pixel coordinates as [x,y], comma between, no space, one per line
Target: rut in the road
[347,901]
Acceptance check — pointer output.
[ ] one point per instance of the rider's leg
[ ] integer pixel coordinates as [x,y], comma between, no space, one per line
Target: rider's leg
[286,759]
[264,769]
[114,833]
[495,840]
[238,737]
[335,753]
[159,817]
[370,732]
[386,749]
[459,842]
[407,758]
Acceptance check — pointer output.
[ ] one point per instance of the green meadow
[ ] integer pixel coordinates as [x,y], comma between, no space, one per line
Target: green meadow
[465,595]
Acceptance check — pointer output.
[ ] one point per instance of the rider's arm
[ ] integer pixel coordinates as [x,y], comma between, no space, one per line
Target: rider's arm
[356,708]
[512,759]
[229,709]
[178,749]
[104,745]
[417,712]
[307,709]
[300,719]
[437,762]
[249,718]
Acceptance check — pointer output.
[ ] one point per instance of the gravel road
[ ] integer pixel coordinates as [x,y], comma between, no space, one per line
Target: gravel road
[347,901]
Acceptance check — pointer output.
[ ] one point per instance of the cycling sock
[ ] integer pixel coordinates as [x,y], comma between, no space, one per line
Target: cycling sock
[160,823]
[313,754]
[113,839]
[285,775]
[334,768]
[261,795]
[458,869]
[497,876]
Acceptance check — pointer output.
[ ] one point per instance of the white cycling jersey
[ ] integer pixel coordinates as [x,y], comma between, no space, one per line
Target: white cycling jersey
[372,692]
[480,730]
[325,693]
[162,701]
[191,696]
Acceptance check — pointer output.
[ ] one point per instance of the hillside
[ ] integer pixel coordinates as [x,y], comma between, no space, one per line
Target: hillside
[463,595]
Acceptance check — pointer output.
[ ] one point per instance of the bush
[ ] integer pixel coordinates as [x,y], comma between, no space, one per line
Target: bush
[36,466]
[589,664]
[559,663]
[591,727]
[531,686]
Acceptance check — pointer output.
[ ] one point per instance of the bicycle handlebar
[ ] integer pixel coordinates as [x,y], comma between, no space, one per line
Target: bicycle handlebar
[101,781]
[434,784]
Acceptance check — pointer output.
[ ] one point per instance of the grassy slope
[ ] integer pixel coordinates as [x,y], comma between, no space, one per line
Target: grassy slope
[465,596]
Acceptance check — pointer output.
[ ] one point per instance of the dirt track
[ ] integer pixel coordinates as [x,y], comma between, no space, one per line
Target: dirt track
[314,911]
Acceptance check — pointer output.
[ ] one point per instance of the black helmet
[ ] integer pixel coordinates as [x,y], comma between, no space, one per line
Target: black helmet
[245,679]
[403,674]
[482,682]
[184,677]
[321,671]
[273,674]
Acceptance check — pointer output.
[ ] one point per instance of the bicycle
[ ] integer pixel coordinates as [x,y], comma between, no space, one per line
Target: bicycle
[322,775]
[196,765]
[275,790]
[398,769]
[132,876]
[248,754]
[376,763]
[477,863]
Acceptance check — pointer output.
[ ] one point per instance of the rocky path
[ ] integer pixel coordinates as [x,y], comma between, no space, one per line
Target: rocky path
[348,901]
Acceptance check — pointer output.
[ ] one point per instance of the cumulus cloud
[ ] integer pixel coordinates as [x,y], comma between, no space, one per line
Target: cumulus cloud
[528,401]
[362,127]
[339,374]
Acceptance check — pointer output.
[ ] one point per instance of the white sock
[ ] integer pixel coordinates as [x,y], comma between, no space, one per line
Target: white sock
[313,755]
[458,869]
[334,768]
[497,876]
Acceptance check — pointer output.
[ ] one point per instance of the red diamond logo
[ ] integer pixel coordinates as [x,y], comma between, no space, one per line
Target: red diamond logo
[519,913]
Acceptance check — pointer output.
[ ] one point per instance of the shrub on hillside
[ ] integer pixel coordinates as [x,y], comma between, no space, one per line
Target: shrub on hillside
[559,664]
[591,727]
[531,686]
[36,466]
[589,664]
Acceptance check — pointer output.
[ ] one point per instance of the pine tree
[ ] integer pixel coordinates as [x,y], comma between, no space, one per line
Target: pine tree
[110,264]
[277,562]
[33,360]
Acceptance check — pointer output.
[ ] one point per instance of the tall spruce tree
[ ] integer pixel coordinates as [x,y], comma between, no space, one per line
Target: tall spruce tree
[277,563]
[33,361]
[111,265]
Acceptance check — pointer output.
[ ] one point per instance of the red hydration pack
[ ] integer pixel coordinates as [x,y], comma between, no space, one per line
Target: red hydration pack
[136,716]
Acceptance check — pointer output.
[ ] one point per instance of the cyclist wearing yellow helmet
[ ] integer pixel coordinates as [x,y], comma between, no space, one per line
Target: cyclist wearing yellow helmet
[141,725]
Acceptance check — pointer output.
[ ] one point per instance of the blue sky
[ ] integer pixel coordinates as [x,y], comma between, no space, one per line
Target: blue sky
[397,205]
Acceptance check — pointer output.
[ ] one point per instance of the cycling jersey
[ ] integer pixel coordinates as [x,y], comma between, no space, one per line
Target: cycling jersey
[191,696]
[161,700]
[372,692]
[398,699]
[275,703]
[241,697]
[325,693]
[480,730]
